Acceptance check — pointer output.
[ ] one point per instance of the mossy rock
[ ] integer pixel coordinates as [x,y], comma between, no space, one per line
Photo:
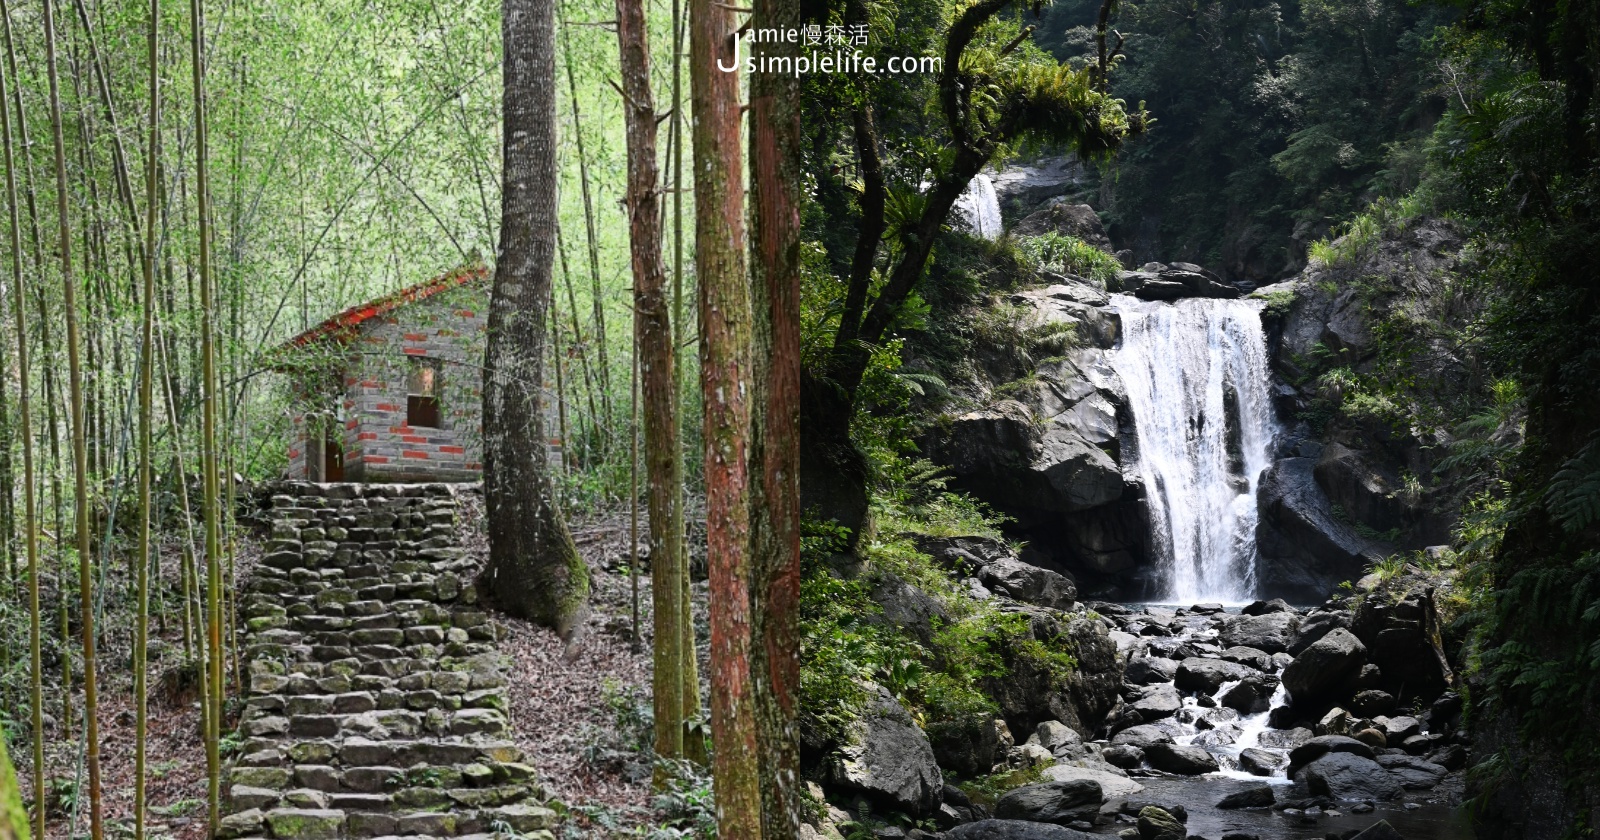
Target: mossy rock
[305,824]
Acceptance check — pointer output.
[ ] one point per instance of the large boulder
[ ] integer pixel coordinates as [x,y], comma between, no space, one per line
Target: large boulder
[906,606]
[1029,584]
[1412,772]
[1060,802]
[887,758]
[1360,487]
[1269,632]
[1158,702]
[1322,745]
[969,748]
[1112,786]
[1347,776]
[1305,550]
[1207,675]
[1148,670]
[1315,625]
[1157,823]
[1323,670]
[1019,187]
[1014,830]
[1250,795]
[1143,736]
[1405,640]
[1063,217]
[1032,692]
[1186,761]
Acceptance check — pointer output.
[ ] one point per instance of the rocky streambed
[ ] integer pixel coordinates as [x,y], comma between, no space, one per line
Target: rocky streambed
[1262,722]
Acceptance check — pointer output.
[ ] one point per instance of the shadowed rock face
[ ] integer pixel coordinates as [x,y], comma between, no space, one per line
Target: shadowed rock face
[888,759]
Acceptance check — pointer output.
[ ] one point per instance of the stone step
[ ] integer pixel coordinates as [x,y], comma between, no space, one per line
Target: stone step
[527,820]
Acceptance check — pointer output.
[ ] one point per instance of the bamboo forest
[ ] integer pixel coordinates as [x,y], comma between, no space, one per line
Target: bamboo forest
[839,419]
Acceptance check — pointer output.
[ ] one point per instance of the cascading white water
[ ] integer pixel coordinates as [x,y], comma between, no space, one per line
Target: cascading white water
[1196,373]
[980,207]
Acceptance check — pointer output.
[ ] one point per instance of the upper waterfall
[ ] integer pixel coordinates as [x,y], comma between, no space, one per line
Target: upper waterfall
[1196,374]
[979,207]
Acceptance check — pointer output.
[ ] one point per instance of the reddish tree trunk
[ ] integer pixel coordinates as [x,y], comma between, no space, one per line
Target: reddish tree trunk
[775,515]
[725,383]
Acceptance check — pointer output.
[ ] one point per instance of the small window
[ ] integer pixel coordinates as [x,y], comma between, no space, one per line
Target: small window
[422,394]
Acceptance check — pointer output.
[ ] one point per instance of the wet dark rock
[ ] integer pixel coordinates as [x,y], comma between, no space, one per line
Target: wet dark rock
[906,606]
[1147,670]
[1268,632]
[1414,773]
[1126,756]
[1208,675]
[1052,802]
[1320,671]
[1249,657]
[1348,776]
[1324,745]
[1305,550]
[1143,736]
[1251,796]
[1258,762]
[1372,702]
[970,747]
[1251,695]
[1159,702]
[1285,739]
[887,758]
[1029,584]
[1405,640]
[1452,757]
[1133,805]
[1264,607]
[1398,729]
[1185,761]
[1014,830]
[1159,824]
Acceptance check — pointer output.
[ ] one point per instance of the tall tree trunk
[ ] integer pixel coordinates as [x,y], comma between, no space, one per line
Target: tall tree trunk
[30,508]
[534,570]
[147,372]
[658,363]
[775,428]
[209,387]
[694,746]
[79,442]
[725,383]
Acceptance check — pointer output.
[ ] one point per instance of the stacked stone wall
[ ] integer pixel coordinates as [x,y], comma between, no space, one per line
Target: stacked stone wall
[376,698]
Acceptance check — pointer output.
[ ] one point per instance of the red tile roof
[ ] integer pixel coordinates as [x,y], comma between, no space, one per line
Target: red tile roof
[343,327]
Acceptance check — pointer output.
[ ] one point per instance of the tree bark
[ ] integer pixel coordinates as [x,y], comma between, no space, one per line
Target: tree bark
[657,364]
[775,429]
[534,569]
[725,385]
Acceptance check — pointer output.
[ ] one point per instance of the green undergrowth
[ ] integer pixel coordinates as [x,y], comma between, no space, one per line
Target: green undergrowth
[1064,254]
[847,646]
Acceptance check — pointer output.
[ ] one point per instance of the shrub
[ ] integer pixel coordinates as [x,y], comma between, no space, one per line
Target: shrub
[1070,255]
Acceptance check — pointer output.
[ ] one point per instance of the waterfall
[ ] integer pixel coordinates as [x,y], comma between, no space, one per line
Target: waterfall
[1196,373]
[979,207]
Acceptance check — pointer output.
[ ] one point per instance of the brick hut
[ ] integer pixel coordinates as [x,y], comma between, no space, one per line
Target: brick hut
[391,390]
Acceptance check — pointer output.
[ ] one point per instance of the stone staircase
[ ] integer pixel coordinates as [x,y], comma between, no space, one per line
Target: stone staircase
[376,698]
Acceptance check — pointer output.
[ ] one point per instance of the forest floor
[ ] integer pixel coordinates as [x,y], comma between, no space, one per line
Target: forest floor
[579,710]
